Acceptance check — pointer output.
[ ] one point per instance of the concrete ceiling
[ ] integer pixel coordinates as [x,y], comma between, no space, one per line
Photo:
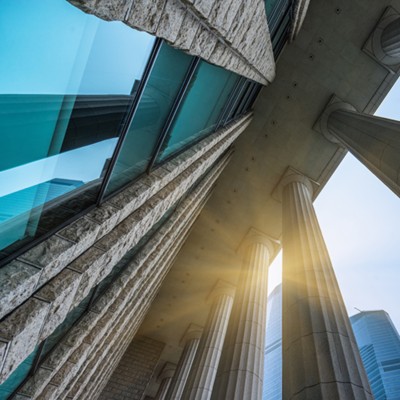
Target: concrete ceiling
[325,59]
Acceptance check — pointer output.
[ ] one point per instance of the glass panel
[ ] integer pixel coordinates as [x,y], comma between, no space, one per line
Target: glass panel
[280,37]
[165,80]
[242,108]
[18,376]
[269,6]
[275,10]
[200,108]
[66,82]
[241,95]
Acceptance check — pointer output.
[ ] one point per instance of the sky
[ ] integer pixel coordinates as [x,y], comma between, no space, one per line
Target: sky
[360,220]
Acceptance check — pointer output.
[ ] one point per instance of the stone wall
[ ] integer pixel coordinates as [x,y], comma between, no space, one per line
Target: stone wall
[231,33]
[134,371]
[101,239]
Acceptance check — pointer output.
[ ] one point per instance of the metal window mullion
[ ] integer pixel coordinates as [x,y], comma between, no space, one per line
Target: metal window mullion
[174,110]
[249,97]
[227,105]
[236,104]
[129,118]
[256,92]
[244,99]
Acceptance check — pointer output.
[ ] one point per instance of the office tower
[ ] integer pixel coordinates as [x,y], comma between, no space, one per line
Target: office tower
[194,135]
[272,389]
[379,344]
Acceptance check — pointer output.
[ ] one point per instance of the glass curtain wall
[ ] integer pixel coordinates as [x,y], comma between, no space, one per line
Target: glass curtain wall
[279,16]
[28,367]
[67,80]
[86,107]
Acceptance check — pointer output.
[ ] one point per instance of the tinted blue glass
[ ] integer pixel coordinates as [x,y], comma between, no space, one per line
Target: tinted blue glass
[269,6]
[165,80]
[66,82]
[201,107]
[16,378]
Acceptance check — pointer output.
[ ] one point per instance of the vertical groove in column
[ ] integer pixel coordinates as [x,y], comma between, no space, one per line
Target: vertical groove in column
[242,369]
[182,371]
[320,356]
[202,375]
[374,141]
[163,389]
[390,39]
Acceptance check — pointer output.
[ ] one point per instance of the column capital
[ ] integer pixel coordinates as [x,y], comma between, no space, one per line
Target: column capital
[167,371]
[254,236]
[293,175]
[221,287]
[373,46]
[321,125]
[193,331]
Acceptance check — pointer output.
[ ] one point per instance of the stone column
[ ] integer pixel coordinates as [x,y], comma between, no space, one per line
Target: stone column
[242,367]
[202,375]
[320,356]
[384,41]
[190,343]
[390,39]
[165,376]
[372,140]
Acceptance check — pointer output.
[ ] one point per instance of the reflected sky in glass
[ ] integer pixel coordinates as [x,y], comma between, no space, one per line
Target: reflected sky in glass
[67,81]
[54,48]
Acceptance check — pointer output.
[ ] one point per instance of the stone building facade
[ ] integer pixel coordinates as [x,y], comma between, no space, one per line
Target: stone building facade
[159,290]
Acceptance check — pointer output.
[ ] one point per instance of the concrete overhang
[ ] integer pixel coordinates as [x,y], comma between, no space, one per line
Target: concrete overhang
[326,58]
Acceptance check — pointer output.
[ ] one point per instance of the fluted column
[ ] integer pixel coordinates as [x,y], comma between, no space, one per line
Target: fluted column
[320,356]
[202,374]
[372,140]
[384,42]
[242,367]
[190,342]
[165,376]
[390,39]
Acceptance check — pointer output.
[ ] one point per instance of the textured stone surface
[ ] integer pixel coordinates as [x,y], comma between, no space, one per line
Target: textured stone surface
[187,32]
[109,319]
[145,14]
[3,351]
[223,14]
[240,26]
[83,232]
[191,343]
[318,341]
[60,292]
[118,300]
[204,369]
[21,330]
[204,7]
[17,282]
[372,140]
[134,370]
[52,255]
[171,20]
[242,365]
[203,43]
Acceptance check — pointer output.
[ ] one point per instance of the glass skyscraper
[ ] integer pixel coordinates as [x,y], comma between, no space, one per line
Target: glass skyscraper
[272,389]
[379,344]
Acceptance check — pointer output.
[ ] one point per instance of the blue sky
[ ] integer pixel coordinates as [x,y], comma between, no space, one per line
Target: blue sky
[360,221]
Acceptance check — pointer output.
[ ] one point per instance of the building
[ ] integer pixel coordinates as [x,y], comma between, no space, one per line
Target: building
[272,389]
[379,344]
[199,132]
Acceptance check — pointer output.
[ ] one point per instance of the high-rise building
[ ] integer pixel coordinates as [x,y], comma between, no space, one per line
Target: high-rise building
[272,389]
[379,344]
[195,135]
